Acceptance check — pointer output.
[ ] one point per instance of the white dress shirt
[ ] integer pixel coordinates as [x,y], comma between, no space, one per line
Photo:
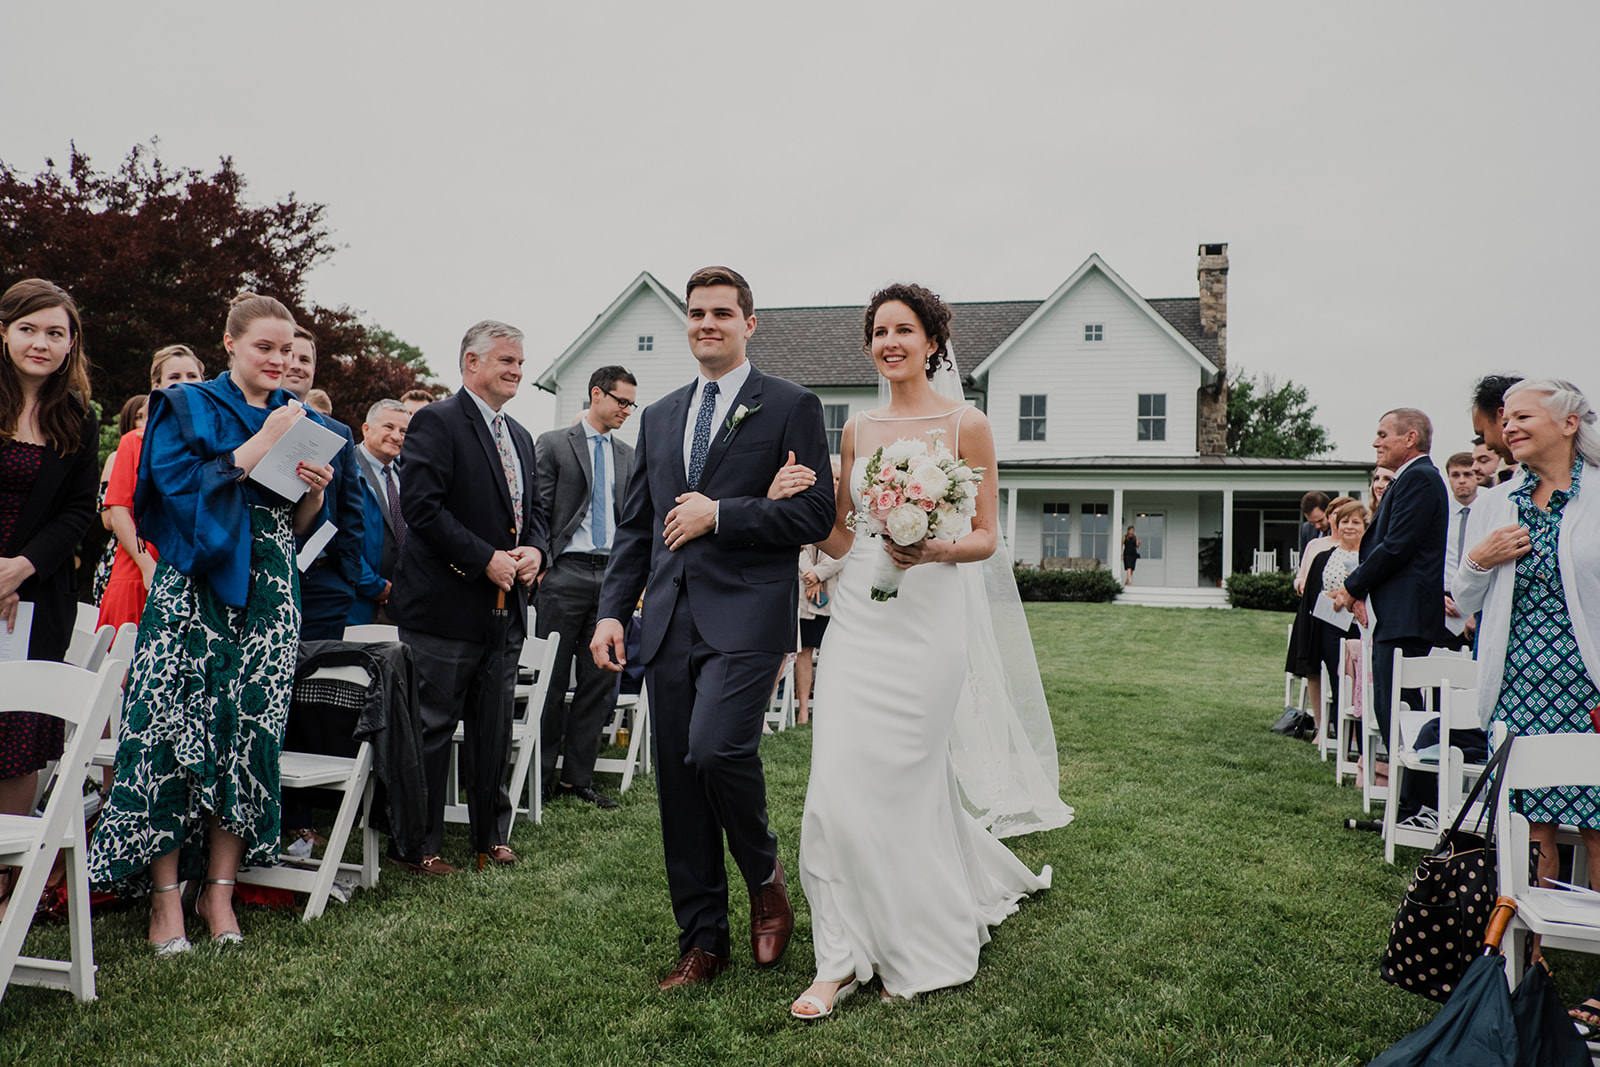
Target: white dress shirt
[1452,543]
[583,539]
[728,387]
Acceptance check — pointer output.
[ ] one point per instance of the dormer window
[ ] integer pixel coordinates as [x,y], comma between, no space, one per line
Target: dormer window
[1152,416]
[647,342]
[1094,331]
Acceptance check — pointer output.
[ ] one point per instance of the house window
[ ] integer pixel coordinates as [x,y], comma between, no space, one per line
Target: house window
[834,416]
[1152,416]
[1094,331]
[1030,425]
[647,342]
[1055,531]
[1094,529]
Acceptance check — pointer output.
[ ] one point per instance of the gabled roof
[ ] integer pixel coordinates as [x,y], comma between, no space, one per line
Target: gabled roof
[1092,265]
[645,280]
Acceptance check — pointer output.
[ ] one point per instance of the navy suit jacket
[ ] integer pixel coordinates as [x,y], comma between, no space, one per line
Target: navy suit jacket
[458,512]
[740,580]
[1402,558]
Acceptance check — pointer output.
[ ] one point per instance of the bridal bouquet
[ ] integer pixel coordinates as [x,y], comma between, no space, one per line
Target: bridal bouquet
[910,492]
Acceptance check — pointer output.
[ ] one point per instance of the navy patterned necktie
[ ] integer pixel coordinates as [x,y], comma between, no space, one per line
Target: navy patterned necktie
[392,491]
[702,434]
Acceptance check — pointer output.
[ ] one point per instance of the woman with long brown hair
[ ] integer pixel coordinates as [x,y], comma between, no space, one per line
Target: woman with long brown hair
[48,436]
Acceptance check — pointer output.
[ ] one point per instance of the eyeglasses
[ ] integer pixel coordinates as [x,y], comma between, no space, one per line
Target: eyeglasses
[625,405]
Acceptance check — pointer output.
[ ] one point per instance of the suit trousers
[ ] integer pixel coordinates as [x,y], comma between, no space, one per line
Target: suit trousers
[1383,673]
[569,602]
[707,710]
[473,683]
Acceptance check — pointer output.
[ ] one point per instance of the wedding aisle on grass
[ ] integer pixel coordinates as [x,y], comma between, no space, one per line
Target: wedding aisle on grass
[1208,908]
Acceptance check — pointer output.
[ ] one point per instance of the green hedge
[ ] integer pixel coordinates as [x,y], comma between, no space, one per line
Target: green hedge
[1094,587]
[1263,592]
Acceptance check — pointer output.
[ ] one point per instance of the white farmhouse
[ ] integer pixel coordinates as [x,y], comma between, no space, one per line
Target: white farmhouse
[1109,410]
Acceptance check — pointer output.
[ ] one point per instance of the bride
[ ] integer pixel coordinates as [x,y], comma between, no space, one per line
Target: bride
[928,745]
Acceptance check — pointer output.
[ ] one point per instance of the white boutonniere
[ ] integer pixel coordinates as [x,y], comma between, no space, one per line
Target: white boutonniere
[736,419]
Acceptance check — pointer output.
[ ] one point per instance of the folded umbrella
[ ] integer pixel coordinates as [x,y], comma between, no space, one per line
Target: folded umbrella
[1545,1034]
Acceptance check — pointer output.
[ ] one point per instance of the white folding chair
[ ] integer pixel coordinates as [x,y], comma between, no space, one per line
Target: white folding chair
[350,775]
[1346,757]
[1289,679]
[88,617]
[538,655]
[371,633]
[1561,919]
[1436,671]
[32,842]
[634,706]
[780,708]
[105,750]
[89,647]
[1327,716]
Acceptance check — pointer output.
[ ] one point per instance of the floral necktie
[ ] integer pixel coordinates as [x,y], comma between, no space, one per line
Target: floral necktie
[508,464]
[702,434]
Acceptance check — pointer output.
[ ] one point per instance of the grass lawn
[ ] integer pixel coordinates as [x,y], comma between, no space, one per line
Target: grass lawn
[1208,907]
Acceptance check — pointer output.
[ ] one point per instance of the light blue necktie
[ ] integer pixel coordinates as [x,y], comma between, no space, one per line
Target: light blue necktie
[597,498]
[702,434]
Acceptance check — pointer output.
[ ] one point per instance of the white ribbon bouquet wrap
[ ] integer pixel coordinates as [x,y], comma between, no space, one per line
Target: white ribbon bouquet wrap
[911,491]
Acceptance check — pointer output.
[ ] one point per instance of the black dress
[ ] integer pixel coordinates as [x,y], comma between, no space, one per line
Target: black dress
[1130,552]
[27,741]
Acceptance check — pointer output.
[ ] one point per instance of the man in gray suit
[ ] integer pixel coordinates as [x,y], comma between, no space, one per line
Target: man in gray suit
[377,460]
[584,470]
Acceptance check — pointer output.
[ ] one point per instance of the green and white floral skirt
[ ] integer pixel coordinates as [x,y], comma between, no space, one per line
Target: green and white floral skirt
[203,717]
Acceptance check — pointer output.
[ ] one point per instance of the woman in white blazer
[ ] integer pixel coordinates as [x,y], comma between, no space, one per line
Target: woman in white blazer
[1534,571]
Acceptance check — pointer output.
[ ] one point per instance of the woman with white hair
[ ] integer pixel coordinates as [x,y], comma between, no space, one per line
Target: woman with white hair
[1534,571]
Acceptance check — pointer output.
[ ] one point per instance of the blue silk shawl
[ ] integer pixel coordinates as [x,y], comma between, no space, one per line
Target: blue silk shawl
[189,501]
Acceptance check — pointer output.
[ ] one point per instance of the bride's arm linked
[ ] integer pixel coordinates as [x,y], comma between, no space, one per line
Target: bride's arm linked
[977,448]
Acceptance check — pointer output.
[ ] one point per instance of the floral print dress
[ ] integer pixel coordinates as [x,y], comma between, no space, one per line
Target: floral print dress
[1545,688]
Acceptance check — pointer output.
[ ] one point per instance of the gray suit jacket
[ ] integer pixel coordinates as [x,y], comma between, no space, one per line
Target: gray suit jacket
[380,498]
[566,474]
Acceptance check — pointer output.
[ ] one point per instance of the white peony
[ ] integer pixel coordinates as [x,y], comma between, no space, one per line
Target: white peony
[902,451]
[944,518]
[963,474]
[907,524]
[934,481]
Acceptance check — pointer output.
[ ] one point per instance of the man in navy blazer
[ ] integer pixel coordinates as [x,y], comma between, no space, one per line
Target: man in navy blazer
[1401,574]
[475,537]
[720,612]
[383,434]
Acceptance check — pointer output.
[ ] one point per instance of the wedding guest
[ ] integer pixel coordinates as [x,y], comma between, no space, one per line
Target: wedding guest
[1534,571]
[819,573]
[1306,639]
[1488,412]
[384,525]
[1130,554]
[196,789]
[131,418]
[1333,564]
[134,567]
[1378,484]
[475,539]
[1314,510]
[583,474]
[1485,463]
[415,398]
[328,586]
[48,438]
[1463,481]
[319,400]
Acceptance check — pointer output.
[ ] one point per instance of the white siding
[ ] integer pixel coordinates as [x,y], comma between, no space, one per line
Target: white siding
[1093,386]
[1182,555]
[661,370]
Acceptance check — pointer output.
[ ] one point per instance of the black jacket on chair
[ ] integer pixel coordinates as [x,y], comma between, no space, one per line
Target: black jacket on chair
[458,513]
[53,520]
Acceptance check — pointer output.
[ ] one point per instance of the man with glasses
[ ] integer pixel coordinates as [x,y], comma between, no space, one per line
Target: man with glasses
[584,470]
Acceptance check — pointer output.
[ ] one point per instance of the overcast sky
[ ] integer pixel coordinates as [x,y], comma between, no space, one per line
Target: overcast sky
[1407,188]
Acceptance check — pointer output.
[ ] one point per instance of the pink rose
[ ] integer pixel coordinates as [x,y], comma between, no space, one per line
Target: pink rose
[885,474]
[928,503]
[914,491]
[887,499]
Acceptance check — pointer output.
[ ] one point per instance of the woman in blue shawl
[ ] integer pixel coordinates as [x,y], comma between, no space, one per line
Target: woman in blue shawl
[196,790]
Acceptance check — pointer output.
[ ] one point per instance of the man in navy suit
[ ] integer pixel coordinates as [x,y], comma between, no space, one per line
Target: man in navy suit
[720,612]
[1401,573]
[382,437]
[474,534]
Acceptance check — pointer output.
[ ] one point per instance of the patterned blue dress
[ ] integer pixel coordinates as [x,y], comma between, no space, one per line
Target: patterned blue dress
[1545,688]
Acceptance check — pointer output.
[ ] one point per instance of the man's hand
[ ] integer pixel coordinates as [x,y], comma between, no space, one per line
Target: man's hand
[383,597]
[1360,610]
[502,570]
[695,516]
[8,611]
[528,560]
[1450,607]
[609,645]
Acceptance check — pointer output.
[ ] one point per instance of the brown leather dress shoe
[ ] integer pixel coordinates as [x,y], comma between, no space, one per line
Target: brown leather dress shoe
[771,920]
[695,968]
[499,855]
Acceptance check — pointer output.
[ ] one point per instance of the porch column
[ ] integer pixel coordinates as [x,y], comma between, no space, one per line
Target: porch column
[1011,520]
[1227,534]
[1115,546]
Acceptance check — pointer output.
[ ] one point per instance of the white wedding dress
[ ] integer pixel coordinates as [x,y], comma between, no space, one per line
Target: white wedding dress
[902,881]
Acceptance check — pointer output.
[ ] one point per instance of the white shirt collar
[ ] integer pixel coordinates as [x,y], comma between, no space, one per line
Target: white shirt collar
[377,464]
[728,385]
[489,413]
[1406,464]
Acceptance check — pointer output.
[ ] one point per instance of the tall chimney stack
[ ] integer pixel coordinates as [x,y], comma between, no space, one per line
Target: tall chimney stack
[1212,430]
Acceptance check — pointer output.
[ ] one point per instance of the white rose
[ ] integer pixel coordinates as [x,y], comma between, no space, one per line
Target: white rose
[907,524]
[963,474]
[944,518]
[967,507]
[902,451]
[934,482]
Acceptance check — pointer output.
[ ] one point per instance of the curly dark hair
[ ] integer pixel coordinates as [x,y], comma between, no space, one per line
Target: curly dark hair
[930,310]
[1489,392]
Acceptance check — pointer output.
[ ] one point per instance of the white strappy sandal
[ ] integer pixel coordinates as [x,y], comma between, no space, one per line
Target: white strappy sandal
[824,1009]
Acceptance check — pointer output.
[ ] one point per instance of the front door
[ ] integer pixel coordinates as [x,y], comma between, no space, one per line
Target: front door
[1151,529]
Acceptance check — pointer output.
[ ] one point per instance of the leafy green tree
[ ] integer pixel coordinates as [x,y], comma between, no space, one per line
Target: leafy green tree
[1270,420]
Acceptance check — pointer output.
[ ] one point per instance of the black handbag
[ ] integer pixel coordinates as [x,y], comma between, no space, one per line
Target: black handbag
[1439,928]
[1295,722]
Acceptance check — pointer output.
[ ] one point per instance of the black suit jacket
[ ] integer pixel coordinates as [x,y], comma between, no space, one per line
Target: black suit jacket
[1402,558]
[53,520]
[459,512]
[740,580]
[566,476]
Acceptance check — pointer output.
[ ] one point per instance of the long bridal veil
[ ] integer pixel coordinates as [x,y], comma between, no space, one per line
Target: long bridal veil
[1002,744]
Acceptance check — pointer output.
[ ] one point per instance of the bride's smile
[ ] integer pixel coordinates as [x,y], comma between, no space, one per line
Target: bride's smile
[898,339]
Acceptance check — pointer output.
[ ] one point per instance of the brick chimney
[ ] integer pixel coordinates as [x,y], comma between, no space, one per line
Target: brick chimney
[1212,430]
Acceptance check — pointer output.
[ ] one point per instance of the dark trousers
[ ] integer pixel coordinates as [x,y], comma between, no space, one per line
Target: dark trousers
[569,601]
[708,708]
[1420,789]
[473,683]
[1383,673]
[325,602]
